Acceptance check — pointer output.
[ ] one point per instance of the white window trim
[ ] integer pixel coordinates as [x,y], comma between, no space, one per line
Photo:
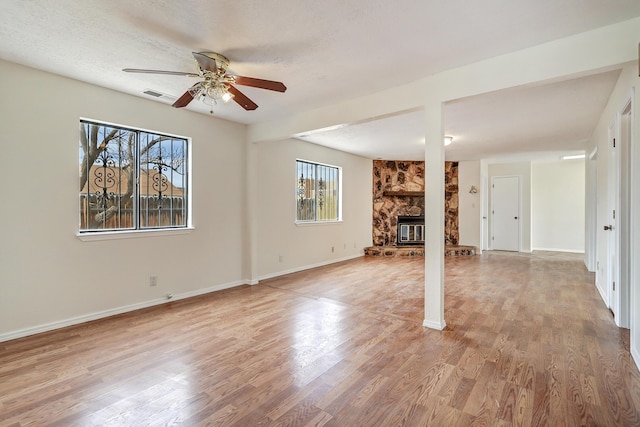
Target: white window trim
[308,223]
[322,222]
[132,234]
[90,236]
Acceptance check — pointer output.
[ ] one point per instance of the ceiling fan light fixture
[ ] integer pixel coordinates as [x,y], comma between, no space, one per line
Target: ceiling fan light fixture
[226,96]
[217,84]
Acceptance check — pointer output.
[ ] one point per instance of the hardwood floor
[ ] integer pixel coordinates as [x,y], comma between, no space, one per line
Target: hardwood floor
[528,342]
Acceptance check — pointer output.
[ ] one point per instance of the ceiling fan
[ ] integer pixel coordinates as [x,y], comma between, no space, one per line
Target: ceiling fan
[217,84]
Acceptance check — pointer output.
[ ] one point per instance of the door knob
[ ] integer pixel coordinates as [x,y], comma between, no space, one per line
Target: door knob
[515,217]
[608,227]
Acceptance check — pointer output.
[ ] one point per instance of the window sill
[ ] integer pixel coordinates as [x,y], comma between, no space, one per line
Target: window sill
[131,234]
[311,223]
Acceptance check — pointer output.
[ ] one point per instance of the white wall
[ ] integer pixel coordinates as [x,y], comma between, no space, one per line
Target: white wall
[598,210]
[558,205]
[469,205]
[522,170]
[306,246]
[48,277]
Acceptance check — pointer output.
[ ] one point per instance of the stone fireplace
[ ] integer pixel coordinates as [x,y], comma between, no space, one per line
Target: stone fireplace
[398,196]
[398,190]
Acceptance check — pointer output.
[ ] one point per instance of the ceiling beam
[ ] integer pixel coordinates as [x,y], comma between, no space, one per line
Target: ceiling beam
[598,50]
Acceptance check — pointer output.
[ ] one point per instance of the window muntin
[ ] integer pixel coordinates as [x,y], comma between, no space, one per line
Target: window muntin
[317,192]
[131,179]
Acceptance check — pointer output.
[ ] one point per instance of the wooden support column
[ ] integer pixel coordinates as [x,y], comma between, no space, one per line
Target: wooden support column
[434,218]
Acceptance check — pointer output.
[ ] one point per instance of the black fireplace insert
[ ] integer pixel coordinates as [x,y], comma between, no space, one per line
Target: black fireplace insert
[410,231]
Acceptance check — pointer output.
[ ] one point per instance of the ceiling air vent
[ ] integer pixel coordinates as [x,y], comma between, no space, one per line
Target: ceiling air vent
[152,93]
[157,94]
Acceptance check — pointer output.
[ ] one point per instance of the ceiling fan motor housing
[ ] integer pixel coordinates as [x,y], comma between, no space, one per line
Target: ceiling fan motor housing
[222,63]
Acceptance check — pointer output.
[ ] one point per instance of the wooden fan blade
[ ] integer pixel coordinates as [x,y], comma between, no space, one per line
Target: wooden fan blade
[205,62]
[242,99]
[173,73]
[185,99]
[260,83]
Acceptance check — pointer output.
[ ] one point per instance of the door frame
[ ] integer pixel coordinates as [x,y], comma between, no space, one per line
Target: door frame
[625,135]
[619,198]
[611,229]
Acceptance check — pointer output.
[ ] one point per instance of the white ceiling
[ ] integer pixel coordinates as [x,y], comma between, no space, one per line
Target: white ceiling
[327,52]
[540,122]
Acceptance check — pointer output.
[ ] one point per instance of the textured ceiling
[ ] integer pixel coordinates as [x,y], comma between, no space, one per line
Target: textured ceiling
[542,122]
[325,52]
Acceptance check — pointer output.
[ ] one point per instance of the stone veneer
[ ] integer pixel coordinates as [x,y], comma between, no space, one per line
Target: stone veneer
[409,251]
[403,178]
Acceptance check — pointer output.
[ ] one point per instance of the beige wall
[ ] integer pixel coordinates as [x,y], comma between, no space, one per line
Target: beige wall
[284,246]
[50,278]
[469,211]
[557,192]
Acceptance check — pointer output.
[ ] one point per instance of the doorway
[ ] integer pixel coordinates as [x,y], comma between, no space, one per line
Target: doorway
[505,213]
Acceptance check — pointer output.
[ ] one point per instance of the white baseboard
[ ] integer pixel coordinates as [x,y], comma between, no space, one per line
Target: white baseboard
[635,355]
[434,325]
[602,293]
[308,267]
[145,304]
[112,312]
[571,251]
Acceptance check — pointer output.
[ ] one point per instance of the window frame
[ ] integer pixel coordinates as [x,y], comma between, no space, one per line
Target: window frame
[139,231]
[339,195]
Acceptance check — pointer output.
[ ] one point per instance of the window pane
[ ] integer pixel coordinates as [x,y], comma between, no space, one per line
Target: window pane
[327,199]
[306,191]
[162,181]
[107,162]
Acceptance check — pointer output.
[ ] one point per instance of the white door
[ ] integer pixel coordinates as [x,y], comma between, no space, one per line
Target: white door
[505,213]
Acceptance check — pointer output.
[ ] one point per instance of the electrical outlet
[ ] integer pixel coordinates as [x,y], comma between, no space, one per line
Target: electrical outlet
[153,280]
[333,249]
[280,258]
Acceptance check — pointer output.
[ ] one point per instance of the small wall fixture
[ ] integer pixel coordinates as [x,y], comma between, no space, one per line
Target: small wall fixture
[473,189]
[448,140]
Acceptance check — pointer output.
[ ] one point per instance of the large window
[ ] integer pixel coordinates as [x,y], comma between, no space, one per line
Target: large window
[317,192]
[131,179]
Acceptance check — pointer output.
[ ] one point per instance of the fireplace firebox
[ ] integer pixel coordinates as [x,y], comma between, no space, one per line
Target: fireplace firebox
[410,231]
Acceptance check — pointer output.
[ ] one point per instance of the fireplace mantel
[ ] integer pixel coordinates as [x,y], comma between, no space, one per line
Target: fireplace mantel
[398,193]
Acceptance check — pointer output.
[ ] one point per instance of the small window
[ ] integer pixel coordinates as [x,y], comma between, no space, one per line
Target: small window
[317,192]
[131,179]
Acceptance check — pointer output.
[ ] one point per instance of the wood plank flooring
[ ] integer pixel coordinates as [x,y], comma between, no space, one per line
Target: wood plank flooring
[528,342]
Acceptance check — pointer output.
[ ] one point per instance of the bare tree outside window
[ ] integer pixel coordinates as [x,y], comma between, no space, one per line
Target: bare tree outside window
[131,179]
